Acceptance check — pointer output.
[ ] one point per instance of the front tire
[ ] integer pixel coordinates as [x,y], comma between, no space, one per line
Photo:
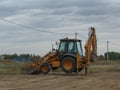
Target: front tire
[45,68]
[68,64]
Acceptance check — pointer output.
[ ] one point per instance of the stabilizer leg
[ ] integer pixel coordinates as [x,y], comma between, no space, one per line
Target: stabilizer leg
[86,70]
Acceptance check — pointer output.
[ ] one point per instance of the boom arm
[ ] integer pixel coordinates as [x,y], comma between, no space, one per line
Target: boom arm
[91,46]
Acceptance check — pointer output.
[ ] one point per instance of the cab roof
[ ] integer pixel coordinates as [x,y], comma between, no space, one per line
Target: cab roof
[67,39]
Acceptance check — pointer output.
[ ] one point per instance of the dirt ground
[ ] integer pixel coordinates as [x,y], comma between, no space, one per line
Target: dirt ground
[60,81]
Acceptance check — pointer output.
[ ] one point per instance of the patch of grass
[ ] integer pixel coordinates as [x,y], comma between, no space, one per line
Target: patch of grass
[114,69]
[104,68]
[105,62]
[10,68]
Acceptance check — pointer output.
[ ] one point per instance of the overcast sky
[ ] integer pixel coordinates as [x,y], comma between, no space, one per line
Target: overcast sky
[60,16]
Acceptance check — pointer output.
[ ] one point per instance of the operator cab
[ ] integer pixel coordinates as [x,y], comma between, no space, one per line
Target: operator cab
[70,46]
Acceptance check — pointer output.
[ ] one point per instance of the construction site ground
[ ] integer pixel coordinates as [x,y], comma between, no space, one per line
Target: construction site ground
[99,77]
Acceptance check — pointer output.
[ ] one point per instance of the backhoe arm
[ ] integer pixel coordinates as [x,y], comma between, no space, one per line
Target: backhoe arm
[91,46]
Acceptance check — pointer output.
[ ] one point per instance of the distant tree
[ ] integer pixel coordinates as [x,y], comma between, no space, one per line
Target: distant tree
[101,57]
[10,56]
[25,55]
[112,55]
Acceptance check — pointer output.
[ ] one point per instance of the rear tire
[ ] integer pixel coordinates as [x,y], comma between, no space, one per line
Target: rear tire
[45,68]
[68,64]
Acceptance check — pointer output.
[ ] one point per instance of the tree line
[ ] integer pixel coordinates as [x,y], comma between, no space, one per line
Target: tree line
[110,55]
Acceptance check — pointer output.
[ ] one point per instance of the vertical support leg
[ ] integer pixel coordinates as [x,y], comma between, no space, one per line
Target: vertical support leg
[78,72]
[69,73]
[51,70]
[86,70]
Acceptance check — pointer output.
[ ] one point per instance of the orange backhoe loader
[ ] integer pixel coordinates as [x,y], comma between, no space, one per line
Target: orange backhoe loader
[69,56]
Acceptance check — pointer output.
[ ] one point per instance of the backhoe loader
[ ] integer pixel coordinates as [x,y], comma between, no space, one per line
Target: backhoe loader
[69,56]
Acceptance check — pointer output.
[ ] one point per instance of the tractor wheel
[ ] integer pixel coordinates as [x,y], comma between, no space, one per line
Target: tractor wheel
[68,64]
[45,68]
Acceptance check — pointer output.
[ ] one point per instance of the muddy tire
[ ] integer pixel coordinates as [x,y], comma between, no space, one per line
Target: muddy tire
[45,68]
[68,64]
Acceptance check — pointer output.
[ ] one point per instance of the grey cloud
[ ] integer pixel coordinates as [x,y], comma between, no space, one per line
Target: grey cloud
[47,4]
[6,11]
[64,16]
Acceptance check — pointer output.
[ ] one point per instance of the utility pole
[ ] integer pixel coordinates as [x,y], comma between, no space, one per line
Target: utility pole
[75,35]
[107,50]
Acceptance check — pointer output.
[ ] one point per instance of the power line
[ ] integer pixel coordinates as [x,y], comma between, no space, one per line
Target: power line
[31,28]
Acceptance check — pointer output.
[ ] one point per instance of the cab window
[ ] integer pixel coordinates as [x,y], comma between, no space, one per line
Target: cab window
[62,47]
[72,47]
[79,48]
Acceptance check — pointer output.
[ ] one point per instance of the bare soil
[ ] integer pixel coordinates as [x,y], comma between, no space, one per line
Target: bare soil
[95,80]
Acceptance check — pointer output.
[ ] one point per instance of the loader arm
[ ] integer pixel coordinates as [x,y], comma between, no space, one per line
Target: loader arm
[91,46]
[50,58]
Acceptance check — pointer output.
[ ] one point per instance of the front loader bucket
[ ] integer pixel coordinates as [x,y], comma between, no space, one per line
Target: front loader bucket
[34,67]
[30,69]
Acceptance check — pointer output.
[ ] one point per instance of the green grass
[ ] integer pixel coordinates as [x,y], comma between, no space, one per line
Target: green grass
[105,66]
[13,68]
[105,62]
[10,68]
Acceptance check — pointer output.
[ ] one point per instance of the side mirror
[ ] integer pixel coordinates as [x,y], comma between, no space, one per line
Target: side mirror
[57,44]
[53,49]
